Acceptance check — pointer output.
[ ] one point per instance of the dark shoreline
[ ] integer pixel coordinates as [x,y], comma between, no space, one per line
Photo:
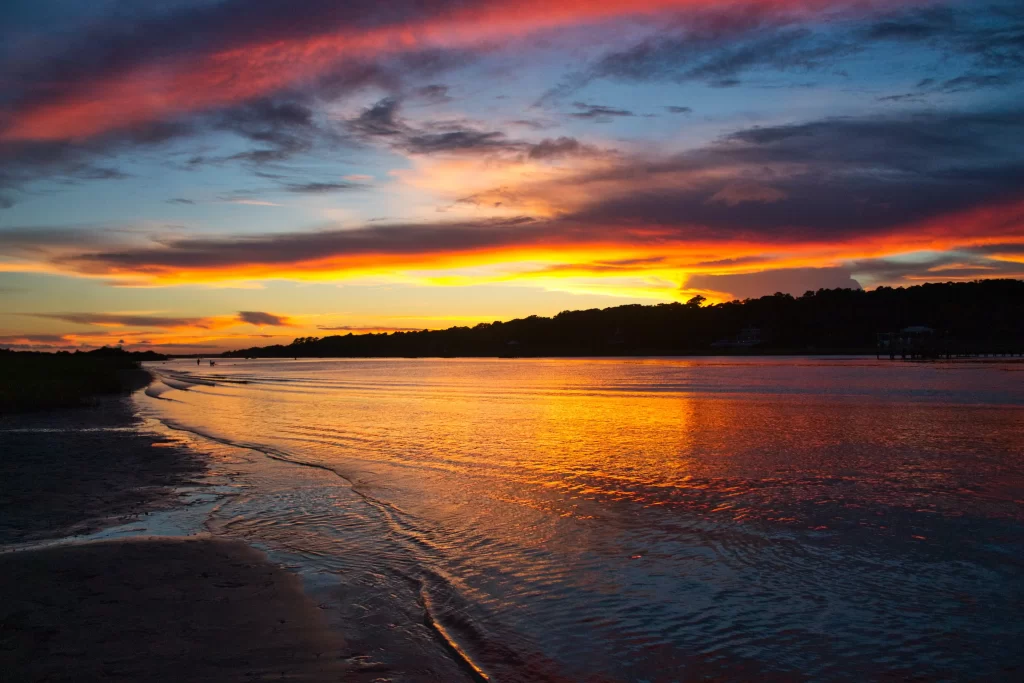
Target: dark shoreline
[158,608]
[77,470]
[162,610]
[33,381]
[152,608]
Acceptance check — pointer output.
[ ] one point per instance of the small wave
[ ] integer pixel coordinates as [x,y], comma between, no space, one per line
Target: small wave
[157,390]
[185,379]
[450,643]
[426,581]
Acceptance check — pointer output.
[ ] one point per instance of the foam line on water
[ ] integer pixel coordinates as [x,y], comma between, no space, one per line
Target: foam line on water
[391,515]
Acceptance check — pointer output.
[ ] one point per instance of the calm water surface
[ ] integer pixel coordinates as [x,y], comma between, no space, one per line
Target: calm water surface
[644,519]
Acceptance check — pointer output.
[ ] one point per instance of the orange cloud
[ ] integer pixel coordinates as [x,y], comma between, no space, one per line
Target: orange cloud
[647,257]
[145,320]
[174,86]
[140,331]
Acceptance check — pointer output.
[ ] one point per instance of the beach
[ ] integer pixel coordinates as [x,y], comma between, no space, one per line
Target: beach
[163,609]
[520,520]
[73,471]
[159,608]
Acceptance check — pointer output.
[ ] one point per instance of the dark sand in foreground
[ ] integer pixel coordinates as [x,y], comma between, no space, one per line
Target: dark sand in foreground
[163,609]
[78,470]
[156,609]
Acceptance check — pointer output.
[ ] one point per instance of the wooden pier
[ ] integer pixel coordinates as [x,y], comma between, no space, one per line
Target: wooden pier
[923,343]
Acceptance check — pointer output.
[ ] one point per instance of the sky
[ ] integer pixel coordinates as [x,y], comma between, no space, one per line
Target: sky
[196,175]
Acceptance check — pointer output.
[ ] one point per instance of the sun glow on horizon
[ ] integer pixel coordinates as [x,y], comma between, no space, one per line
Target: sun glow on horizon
[429,164]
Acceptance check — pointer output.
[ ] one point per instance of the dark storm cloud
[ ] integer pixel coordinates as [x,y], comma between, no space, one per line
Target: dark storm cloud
[263,318]
[793,281]
[679,110]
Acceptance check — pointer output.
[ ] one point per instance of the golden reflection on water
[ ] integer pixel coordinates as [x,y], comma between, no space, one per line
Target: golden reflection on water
[623,517]
[746,441]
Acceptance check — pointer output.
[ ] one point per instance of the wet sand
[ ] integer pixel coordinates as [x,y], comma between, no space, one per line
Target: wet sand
[77,470]
[142,609]
[159,608]
[163,609]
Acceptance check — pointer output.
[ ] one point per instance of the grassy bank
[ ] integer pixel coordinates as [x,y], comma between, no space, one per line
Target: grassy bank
[40,381]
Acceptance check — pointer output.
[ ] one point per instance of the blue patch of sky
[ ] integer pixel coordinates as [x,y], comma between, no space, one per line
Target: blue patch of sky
[212,190]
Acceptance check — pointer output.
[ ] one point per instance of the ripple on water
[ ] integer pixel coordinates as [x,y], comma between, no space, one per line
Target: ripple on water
[618,519]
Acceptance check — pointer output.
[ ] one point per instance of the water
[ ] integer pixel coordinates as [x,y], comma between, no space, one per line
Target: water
[645,519]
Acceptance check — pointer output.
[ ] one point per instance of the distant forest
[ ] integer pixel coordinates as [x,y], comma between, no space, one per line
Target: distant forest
[987,314]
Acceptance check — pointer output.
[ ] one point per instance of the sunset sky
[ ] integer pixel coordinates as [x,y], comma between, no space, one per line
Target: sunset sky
[199,175]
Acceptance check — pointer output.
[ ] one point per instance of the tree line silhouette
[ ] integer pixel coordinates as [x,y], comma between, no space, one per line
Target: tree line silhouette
[33,380]
[985,313]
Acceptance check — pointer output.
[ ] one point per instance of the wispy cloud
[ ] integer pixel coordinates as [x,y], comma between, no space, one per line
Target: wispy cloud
[258,318]
[263,318]
[362,329]
[598,112]
[925,178]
